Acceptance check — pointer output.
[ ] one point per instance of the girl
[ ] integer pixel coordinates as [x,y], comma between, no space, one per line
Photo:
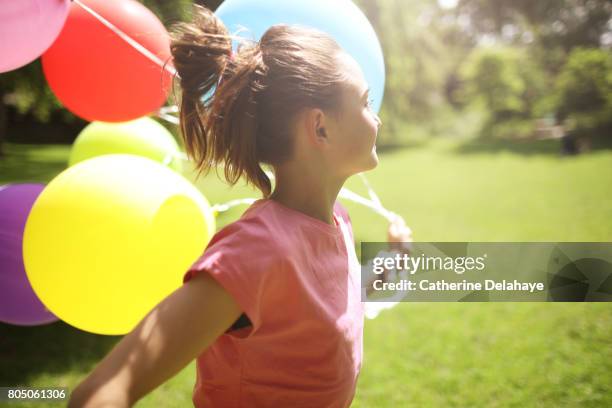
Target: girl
[272,310]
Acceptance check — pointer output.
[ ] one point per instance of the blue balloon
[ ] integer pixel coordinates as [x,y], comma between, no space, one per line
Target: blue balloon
[341,19]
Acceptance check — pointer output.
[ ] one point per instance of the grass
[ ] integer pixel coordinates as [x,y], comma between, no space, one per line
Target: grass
[418,354]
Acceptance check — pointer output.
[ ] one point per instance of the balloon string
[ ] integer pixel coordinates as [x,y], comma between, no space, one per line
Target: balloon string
[373,309]
[168,159]
[222,207]
[137,46]
[345,193]
[371,191]
[168,118]
[379,209]
[169,109]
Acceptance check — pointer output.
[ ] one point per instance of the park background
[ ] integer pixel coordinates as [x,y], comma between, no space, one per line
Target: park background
[497,127]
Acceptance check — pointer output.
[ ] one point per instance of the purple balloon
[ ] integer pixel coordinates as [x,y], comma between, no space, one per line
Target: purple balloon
[28,28]
[18,302]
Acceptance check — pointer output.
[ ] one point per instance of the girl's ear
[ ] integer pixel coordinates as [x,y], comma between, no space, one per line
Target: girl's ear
[320,124]
[315,125]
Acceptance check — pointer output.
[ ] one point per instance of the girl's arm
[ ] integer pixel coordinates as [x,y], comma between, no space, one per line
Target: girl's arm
[175,332]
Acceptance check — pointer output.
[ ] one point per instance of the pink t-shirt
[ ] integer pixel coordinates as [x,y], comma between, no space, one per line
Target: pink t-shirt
[297,279]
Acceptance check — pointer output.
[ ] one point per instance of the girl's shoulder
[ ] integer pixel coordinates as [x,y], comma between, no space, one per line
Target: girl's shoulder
[254,221]
[241,247]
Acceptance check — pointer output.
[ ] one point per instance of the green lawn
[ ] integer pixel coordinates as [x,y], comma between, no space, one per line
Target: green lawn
[418,354]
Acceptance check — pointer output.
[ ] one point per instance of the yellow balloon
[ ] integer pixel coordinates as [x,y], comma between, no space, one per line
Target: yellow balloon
[110,237]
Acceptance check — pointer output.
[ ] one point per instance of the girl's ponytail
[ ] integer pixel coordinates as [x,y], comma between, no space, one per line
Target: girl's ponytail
[218,116]
[237,109]
[235,112]
[199,52]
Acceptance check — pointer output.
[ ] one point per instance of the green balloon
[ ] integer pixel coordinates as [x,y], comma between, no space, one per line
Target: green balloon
[140,137]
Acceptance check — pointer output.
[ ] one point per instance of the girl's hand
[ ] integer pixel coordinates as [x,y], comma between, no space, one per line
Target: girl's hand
[399,236]
[399,233]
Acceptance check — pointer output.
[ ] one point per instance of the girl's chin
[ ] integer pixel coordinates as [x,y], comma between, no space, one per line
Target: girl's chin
[374,158]
[371,162]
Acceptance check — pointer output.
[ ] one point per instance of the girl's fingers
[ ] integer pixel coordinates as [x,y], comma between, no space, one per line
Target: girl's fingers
[398,231]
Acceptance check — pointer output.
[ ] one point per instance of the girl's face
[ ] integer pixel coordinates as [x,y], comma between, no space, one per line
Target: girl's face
[353,134]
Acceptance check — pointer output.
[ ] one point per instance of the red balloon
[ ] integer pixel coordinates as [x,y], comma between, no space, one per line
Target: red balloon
[96,74]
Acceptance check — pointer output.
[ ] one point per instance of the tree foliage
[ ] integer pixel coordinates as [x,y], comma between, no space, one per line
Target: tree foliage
[510,83]
[420,54]
[564,23]
[585,88]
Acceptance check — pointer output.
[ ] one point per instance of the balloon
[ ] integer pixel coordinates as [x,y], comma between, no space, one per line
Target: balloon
[27,29]
[342,19]
[110,237]
[18,302]
[142,137]
[98,75]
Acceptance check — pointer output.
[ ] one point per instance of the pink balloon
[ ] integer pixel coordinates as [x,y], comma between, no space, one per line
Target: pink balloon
[27,29]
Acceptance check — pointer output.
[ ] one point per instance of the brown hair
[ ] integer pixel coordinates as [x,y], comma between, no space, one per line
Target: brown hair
[238,109]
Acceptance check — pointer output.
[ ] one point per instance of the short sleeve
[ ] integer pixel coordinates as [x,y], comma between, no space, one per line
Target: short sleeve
[237,258]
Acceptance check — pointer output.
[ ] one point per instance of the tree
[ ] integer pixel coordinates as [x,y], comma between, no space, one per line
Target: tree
[420,51]
[551,23]
[584,89]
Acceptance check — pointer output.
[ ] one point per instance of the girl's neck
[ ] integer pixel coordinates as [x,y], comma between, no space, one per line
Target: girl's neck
[310,195]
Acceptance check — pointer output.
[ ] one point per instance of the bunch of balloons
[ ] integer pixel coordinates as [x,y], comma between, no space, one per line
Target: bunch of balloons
[87,62]
[113,234]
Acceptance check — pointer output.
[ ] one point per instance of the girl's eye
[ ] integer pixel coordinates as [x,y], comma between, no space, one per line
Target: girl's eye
[369,103]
